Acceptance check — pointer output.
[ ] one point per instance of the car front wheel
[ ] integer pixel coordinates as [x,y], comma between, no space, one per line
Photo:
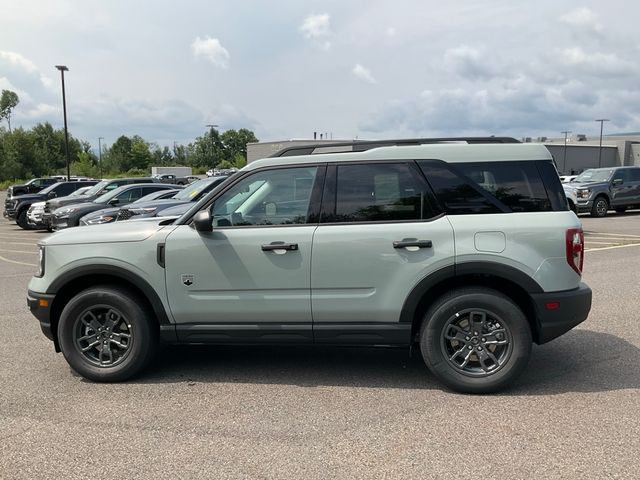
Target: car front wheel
[600,207]
[475,340]
[106,335]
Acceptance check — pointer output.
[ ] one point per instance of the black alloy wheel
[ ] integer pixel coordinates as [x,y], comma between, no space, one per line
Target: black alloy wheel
[600,207]
[106,334]
[475,340]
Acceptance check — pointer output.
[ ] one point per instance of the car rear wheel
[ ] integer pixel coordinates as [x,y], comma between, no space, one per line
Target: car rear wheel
[475,340]
[106,335]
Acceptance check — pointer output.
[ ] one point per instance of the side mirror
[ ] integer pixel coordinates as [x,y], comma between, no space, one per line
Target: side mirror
[202,221]
[617,181]
[114,201]
[52,195]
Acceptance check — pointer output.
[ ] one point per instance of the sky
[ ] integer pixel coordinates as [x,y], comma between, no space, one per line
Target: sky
[359,69]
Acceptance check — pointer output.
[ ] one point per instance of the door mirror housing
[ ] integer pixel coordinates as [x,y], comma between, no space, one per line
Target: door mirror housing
[202,221]
[52,195]
[114,201]
[617,181]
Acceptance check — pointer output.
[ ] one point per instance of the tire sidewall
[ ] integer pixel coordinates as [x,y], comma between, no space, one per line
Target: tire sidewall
[144,337]
[595,212]
[491,301]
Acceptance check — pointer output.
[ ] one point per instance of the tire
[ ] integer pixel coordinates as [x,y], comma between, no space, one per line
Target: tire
[21,220]
[132,335]
[600,207]
[503,333]
[621,209]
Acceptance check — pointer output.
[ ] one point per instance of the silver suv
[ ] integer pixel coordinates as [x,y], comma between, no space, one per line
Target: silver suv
[467,250]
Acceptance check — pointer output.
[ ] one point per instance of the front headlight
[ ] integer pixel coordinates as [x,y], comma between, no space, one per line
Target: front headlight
[99,220]
[583,193]
[64,212]
[40,272]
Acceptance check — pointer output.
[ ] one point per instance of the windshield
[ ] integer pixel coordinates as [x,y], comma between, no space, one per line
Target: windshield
[105,197]
[193,190]
[594,175]
[49,188]
[96,188]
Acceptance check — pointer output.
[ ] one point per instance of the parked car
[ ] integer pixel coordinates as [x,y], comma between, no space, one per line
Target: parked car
[572,198]
[32,186]
[36,211]
[108,215]
[16,208]
[98,190]
[189,196]
[171,178]
[394,246]
[567,178]
[600,189]
[69,216]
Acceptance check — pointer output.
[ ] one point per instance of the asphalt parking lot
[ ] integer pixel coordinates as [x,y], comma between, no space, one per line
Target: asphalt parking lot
[328,413]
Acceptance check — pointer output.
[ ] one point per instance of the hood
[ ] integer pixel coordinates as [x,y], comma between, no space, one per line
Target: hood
[31,197]
[176,210]
[82,206]
[70,199]
[160,204]
[101,212]
[587,184]
[107,233]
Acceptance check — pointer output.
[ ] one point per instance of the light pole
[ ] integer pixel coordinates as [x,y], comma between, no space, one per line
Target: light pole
[601,120]
[564,154]
[211,127]
[100,155]
[63,68]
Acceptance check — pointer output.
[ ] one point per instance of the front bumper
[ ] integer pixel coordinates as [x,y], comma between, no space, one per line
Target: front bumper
[40,306]
[559,312]
[10,214]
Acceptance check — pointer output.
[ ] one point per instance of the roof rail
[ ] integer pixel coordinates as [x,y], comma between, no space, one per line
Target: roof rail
[364,145]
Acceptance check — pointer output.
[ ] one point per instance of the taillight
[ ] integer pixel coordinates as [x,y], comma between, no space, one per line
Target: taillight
[575,249]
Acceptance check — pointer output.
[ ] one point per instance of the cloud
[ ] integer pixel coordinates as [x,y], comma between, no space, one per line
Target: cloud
[583,18]
[390,32]
[363,74]
[317,29]
[211,49]
[597,64]
[469,62]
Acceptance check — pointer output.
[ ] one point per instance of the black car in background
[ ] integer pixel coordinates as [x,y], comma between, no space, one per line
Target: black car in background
[69,215]
[108,215]
[32,186]
[16,208]
[191,193]
[99,189]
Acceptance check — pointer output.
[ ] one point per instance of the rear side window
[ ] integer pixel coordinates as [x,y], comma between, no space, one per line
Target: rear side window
[490,187]
[378,192]
[635,174]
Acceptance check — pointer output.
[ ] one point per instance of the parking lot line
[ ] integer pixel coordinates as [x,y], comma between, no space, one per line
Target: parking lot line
[16,261]
[587,232]
[19,243]
[19,251]
[612,247]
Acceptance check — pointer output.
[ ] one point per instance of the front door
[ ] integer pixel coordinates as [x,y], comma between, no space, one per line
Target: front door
[249,279]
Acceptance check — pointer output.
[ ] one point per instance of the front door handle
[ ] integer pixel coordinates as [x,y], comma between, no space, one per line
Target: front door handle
[279,246]
[413,243]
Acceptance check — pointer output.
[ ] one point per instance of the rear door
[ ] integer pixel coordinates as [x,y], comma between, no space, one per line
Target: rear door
[380,233]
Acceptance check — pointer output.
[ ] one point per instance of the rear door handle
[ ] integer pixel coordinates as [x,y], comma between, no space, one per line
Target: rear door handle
[413,243]
[279,246]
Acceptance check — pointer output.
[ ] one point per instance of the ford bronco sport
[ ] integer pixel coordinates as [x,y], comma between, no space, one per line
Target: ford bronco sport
[467,250]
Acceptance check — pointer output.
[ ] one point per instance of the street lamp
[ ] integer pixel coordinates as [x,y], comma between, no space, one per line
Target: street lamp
[63,68]
[601,120]
[100,155]
[564,154]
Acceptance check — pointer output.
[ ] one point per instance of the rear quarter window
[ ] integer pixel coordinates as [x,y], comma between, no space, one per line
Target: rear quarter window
[494,187]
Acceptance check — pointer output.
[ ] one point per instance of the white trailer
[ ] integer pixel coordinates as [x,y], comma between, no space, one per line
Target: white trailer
[177,171]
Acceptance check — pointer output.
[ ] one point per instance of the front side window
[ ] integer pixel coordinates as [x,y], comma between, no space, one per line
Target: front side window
[270,197]
[378,192]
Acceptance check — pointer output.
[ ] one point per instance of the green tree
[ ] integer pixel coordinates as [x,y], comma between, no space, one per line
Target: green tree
[235,143]
[8,101]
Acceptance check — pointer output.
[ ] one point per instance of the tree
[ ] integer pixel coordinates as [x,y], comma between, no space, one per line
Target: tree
[8,101]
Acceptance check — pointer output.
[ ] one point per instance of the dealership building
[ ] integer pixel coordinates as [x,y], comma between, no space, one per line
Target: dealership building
[576,155]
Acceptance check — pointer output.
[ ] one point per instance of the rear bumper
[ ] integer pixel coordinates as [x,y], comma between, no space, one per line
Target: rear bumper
[559,312]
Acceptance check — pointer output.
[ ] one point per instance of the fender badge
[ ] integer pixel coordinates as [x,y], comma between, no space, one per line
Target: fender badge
[187,279]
